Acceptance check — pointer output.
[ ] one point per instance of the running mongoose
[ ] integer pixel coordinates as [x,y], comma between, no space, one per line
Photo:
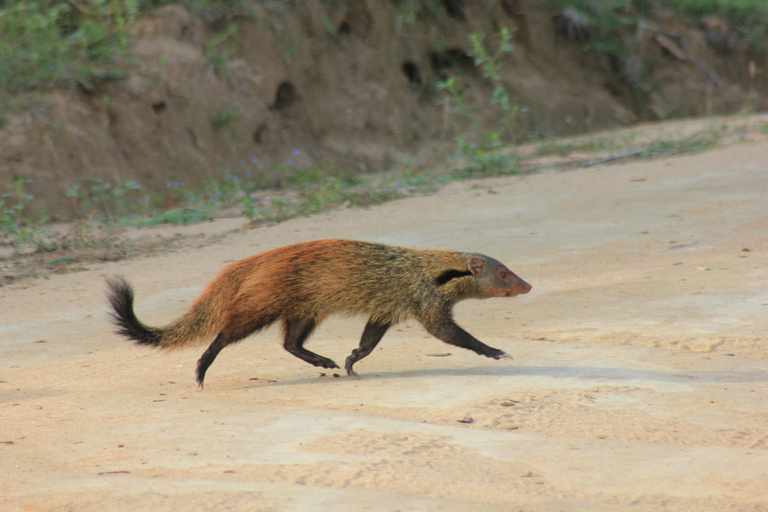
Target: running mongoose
[303,284]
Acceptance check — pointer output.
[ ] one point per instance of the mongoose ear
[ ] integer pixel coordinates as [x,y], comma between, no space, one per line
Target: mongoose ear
[476,266]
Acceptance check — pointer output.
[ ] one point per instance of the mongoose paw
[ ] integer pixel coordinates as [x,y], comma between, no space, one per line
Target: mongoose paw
[500,354]
[324,362]
[348,367]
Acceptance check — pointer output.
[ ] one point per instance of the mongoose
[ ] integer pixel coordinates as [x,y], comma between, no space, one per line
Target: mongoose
[303,284]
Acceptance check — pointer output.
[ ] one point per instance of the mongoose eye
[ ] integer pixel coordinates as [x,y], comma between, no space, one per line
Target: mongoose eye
[503,275]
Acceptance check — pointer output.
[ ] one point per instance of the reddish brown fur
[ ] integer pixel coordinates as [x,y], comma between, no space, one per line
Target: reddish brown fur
[305,283]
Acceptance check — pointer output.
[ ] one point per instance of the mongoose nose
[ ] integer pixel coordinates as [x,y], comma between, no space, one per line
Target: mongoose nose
[527,288]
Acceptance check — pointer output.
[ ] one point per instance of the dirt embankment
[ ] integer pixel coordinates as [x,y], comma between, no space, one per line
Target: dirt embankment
[352,84]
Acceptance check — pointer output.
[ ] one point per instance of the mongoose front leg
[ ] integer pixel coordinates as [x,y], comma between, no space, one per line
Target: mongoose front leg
[451,333]
[372,335]
[296,332]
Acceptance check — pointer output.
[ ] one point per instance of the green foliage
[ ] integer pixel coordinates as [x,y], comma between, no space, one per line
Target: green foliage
[487,159]
[491,66]
[197,6]
[483,156]
[741,12]
[11,216]
[16,230]
[314,190]
[219,53]
[50,43]
[179,216]
[455,99]
[224,117]
[99,197]
[749,17]
[44,43]
[610,23]
[410,10]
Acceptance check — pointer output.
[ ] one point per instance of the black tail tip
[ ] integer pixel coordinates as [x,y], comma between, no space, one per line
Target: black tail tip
[118,285]
[120,297]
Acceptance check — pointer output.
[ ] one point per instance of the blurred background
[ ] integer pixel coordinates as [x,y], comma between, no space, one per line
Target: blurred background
[157,111]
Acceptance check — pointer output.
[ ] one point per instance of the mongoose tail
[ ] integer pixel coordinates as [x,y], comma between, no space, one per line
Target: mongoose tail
[120,296]
[301,285]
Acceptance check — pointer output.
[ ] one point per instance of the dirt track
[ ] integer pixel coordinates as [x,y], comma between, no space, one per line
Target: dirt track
[640,379]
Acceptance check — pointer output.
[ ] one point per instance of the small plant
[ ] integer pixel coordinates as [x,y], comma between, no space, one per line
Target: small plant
[225,190]
[217,52]
[224,117]
[16,230]
[483,155]
[102,198]
[180,216]
[320,196]
[411,9]
[248,206]
[491,66]
[455,99]
[486,159]
[12,216]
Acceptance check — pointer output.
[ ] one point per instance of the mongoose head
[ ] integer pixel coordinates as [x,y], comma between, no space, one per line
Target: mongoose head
[494,279]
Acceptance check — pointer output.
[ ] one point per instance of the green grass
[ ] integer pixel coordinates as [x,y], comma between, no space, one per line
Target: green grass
[608,12]
[51,43]
[45,44]
[740,12]
[224,117]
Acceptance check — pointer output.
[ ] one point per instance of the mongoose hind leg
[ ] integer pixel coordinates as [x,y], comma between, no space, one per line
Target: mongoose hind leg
[296,332]
[372,335]
[235,329]
[209,355]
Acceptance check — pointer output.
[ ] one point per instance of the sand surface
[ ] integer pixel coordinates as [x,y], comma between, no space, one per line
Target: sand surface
[640,378]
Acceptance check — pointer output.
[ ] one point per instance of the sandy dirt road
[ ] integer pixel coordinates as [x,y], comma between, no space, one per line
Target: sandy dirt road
[640,378]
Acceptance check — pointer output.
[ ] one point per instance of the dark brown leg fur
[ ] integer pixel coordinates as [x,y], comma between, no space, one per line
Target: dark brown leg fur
[209,355]
[233,331]
[451,333]
[371,337]
[296,333]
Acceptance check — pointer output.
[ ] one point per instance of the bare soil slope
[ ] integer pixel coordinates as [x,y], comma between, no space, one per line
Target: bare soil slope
[640,379]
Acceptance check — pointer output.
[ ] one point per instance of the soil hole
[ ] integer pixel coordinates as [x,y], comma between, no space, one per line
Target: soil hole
[511,8]
[455,9]
[86,88]
[344,28]
[572,24]
[411,71]
[285,96]
[193,137]
[159,106]
[451,58]
[258,133]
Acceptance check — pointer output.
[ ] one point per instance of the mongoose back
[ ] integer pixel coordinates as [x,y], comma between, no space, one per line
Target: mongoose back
[303,284]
